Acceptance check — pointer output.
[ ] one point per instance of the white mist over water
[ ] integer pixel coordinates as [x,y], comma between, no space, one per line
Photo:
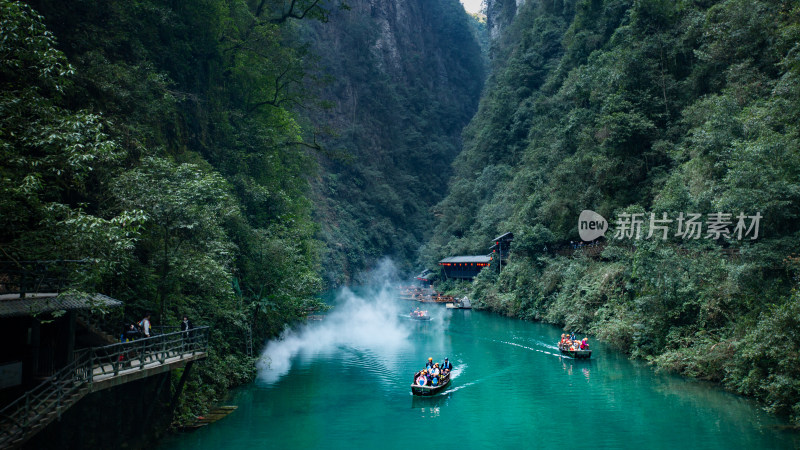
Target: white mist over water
[365,320]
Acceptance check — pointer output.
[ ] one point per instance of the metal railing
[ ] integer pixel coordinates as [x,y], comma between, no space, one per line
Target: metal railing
[164,329]
[112,359]
[58,392]
[53,394]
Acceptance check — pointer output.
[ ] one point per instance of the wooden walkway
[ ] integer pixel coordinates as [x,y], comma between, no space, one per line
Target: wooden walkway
[95,369]
[104,377]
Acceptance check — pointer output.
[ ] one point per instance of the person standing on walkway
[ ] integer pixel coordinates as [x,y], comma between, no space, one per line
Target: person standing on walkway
[145,325]
[186,327]
[186,324]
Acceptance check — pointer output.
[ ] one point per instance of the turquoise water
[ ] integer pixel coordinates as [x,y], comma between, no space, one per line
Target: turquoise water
[344,383]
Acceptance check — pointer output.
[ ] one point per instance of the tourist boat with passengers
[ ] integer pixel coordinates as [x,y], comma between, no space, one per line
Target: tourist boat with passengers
[427,391]
[577,354]
[419,315]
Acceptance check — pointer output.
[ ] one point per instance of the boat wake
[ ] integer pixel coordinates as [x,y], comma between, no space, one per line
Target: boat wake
[458,388]
[556,353]
[457,372]
[546,348]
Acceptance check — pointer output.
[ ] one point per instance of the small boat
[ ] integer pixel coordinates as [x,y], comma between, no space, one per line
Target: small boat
[419,315]
[427,391]
[577,354]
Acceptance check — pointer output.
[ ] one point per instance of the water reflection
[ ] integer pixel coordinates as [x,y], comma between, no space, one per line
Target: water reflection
[429,406]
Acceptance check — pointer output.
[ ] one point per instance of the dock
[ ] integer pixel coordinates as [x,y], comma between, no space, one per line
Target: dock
[424,295]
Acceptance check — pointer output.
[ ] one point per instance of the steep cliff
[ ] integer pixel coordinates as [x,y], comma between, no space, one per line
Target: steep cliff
[165,143]
[652,109]
[499,14]
[406,78]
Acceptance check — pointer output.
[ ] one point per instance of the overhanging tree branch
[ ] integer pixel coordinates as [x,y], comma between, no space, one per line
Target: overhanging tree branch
[313,145]
[281,85]
[301,13]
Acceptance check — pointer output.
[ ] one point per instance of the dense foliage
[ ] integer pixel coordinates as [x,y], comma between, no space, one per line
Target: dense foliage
[651,106]
[405,78]
[171,145]
[155,141]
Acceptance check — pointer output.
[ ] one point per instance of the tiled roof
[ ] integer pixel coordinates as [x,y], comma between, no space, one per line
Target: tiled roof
[504,236]
[466,259]
[13,306]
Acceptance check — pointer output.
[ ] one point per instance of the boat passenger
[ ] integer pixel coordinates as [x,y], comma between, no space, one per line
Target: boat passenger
[446,366]
[422,380]
[435,372]
[435,380]
[429,364]
[584,344]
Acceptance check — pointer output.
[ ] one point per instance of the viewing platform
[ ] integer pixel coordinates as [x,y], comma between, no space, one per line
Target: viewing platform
[94,369]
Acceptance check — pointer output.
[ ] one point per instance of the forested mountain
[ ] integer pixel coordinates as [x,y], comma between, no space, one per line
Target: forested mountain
[404,78]
[205,157]
[148,140]
[223,158]
[655,107]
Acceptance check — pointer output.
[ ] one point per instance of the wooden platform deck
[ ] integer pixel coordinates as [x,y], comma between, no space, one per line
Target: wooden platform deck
[104,377]
[95,369]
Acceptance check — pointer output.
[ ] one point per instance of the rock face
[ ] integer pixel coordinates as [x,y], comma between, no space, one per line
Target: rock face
[408,40]
[499,14]
[407,75]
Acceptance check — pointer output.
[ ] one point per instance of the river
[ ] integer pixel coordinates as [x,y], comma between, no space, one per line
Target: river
[344,383]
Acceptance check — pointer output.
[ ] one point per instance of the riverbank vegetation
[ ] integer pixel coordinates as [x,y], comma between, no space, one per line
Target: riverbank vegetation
[150,142]
[646,107]
[225,158]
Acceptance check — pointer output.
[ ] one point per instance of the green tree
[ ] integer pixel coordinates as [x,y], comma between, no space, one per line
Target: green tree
[54,160]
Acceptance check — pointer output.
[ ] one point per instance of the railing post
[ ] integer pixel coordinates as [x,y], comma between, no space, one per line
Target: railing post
[91,366]
[27,415]
[116,363]
[141,353]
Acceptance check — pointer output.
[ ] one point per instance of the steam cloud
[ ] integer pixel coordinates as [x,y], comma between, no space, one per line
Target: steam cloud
[368,320]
